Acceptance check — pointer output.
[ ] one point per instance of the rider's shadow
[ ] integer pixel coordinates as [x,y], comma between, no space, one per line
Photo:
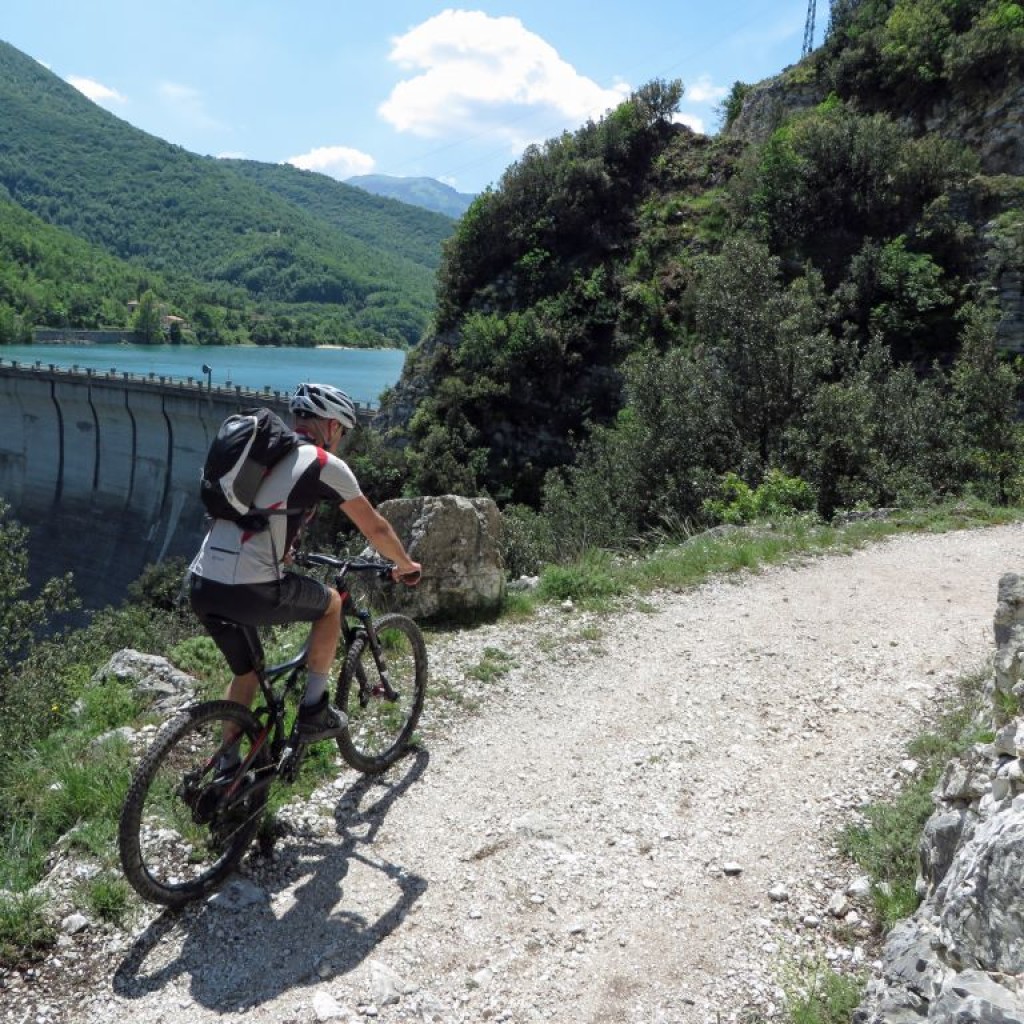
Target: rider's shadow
[238,958]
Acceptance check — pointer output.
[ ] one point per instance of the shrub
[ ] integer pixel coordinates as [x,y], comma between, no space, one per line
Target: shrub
[733,103]
[527,541]
[21,617]
[777,497]
[160,586]
[992,50]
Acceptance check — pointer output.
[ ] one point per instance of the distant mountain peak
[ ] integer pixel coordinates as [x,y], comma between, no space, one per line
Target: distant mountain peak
[429,193]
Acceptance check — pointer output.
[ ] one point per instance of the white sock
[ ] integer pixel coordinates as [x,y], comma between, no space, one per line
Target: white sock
[316,687]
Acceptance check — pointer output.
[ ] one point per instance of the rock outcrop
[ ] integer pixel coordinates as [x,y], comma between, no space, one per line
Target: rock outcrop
[960,958]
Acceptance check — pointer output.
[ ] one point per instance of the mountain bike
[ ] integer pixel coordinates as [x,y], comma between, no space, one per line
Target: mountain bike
[184,826]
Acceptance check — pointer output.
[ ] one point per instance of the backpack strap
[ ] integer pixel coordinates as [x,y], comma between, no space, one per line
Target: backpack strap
[255,518]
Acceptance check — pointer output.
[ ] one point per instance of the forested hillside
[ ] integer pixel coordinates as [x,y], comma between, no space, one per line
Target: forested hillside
[642,328]
[48,276]
[307,266]
[402,228]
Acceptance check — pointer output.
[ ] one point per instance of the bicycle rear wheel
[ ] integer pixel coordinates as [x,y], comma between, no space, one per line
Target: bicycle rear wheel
[180,834]
[381,725]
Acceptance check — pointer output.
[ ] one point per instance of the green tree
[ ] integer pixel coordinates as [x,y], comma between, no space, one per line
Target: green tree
[902,297]
[877,436]
[146,322]
[983,404]
[769,343]
[917,34]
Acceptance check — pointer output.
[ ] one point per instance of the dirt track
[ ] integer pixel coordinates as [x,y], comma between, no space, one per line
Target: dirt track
[635,826]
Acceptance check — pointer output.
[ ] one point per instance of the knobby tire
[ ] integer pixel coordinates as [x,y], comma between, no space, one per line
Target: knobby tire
[167,856]
[380,731]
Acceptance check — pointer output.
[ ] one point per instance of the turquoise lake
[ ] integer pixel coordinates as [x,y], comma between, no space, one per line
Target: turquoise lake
[363,373]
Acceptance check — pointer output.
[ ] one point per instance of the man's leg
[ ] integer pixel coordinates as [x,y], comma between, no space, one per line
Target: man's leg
[242,689]
[323,645]
[324,636]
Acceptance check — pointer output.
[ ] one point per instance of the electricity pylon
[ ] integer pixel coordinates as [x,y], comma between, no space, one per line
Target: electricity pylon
[809,29]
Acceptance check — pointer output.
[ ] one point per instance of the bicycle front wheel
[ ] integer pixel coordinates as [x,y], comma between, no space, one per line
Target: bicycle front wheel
[181,833]
[382,708]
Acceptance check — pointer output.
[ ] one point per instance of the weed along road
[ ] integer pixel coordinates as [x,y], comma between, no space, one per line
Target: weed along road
[633,819]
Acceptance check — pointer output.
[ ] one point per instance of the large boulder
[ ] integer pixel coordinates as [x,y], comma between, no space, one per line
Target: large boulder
[458,542]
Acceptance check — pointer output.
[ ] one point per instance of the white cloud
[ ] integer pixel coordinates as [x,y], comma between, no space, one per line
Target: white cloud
[705,91]
[691,121]
[96,91]
[187,103]
[474,74]
[339,162]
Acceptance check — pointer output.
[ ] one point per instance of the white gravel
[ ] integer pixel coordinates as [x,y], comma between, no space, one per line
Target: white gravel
[635,824]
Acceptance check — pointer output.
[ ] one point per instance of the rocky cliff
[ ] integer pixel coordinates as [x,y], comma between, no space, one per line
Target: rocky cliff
[960,958]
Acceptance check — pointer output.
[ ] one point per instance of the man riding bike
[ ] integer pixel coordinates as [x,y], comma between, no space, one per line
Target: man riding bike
[239,574]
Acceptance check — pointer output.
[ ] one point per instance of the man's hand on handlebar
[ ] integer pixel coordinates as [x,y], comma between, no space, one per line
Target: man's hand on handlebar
[410,577]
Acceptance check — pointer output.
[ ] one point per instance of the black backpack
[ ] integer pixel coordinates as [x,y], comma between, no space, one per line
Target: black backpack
[247,446]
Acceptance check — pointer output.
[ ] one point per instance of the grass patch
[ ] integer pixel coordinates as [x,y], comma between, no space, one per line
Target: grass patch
[106,706]
[25,933]
[198,656]
[885,845]
[67,783]
[108,897]
[589,581]
[821,996]
[1007,706]
[445,690]
[598,577]
[519,605]
[494,664]
[674,557]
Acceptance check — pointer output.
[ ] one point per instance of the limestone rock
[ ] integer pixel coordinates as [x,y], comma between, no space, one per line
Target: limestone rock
[458,542]
[153,677]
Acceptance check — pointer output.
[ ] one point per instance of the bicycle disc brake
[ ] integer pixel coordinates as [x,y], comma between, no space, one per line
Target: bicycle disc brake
[291,760]
[382,690]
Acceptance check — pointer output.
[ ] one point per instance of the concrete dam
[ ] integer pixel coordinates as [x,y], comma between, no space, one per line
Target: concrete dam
[103,468]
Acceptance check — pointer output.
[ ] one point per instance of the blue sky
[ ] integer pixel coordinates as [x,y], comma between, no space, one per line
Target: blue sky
[396,87]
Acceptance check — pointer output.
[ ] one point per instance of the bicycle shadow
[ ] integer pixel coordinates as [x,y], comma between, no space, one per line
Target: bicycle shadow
[239,958]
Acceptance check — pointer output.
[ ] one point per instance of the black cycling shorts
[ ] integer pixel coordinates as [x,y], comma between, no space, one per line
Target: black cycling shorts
[295,598]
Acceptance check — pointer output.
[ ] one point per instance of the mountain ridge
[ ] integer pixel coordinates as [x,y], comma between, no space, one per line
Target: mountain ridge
[428,193]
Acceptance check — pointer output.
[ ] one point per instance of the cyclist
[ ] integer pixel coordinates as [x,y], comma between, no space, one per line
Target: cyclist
[240,575]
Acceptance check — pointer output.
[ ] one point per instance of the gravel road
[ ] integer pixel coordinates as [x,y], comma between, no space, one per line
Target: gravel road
[635,823]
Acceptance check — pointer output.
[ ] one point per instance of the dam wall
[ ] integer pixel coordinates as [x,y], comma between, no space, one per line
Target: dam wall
[103,468]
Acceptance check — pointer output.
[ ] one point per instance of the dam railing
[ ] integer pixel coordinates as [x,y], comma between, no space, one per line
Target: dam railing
[162,382]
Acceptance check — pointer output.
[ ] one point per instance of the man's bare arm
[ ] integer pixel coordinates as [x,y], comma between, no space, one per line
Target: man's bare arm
[379,532]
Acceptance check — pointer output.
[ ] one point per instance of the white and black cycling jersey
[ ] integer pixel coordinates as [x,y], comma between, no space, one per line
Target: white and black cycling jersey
[301,480]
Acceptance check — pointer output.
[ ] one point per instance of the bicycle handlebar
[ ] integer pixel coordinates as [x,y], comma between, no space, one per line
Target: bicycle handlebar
[383,568]
[348,564]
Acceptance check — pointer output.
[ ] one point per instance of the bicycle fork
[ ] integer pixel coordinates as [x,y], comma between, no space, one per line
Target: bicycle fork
[383,689]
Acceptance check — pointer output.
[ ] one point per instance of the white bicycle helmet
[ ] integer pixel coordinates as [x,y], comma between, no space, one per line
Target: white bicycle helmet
[325,402]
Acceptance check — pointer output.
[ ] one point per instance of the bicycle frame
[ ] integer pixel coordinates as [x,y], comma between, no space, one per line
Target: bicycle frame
[284,759]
